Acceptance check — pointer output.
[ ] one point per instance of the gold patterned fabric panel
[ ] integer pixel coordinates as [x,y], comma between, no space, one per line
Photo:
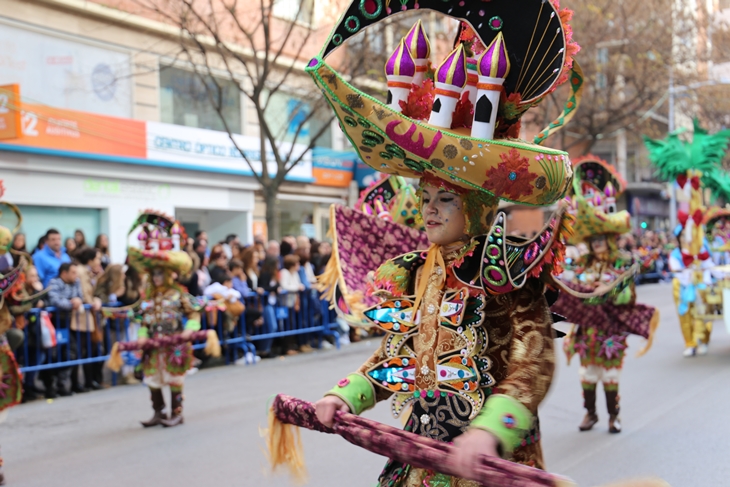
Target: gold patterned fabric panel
[528,357]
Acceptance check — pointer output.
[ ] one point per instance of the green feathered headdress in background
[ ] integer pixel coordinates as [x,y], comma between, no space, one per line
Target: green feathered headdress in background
[673,157]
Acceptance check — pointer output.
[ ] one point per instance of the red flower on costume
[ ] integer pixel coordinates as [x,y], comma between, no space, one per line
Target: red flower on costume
[512,177]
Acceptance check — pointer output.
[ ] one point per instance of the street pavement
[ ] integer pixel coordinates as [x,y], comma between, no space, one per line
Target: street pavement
[674,411]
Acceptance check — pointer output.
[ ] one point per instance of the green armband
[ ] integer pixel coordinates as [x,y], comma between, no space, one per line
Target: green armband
[506,418]
[357,392]
[143,332]
[624,297]
[192,325]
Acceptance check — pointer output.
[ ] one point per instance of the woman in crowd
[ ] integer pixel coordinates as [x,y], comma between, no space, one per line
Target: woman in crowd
[70,245]
[40,245]
[250,257]
[268,281]
[290,282]
[80,240]
[86,335]
[102,243]
[218,260]
[110,287]
[18,247]
[133,286]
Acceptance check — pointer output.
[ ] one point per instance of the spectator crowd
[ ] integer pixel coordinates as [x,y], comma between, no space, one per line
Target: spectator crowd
[80,279]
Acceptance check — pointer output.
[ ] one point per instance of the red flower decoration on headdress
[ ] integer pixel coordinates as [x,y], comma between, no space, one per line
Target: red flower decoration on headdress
[512,177]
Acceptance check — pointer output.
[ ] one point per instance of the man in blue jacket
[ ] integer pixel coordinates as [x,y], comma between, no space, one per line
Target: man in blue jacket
[48,260]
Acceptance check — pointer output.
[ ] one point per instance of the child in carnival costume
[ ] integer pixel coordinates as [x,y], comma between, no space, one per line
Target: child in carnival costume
[468,352]
[602,325]
[164,305]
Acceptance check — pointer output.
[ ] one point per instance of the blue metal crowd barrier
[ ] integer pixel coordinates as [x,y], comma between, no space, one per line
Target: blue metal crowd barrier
[312,318]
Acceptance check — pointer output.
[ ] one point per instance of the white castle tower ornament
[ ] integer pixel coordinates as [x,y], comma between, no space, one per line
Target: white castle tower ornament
[493,67]
[399,71]
[420,49]
[450,82]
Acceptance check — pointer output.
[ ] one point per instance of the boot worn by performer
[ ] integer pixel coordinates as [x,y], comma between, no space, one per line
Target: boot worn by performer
[176,407]
[614,423]
[158,404]
[589,402]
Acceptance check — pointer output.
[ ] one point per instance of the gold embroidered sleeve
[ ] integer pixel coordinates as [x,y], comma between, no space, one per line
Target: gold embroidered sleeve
[531,354]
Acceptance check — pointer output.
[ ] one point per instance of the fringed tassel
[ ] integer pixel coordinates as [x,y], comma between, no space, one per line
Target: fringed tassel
[284,445]
[212,344]
[115,361]
[653,325]
[327,281]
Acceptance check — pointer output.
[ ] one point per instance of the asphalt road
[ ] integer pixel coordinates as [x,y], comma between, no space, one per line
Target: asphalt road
[674,411]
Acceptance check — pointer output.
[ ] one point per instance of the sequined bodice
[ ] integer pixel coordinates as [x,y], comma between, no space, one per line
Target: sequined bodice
[162,312]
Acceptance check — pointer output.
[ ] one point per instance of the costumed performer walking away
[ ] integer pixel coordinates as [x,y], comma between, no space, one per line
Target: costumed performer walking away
[468,353]
[601,325]
[694,166]
[168,316]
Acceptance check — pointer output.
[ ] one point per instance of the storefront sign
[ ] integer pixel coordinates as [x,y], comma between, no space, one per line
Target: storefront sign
[9,115]
[365,175]
[131,190]
[57,129]
[196,148]
[332,167]
[68,133]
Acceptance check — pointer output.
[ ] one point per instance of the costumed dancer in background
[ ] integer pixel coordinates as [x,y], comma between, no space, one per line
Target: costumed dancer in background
[694,166]
[164,306]
[601,326]
[689,275]
[12,294]
[468,352]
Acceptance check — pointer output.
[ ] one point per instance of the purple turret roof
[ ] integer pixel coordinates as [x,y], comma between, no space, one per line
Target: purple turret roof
[453,70]
[417,42]
[400,62]
[495,62]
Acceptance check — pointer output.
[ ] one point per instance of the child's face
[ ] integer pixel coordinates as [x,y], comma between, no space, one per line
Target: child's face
[228,284]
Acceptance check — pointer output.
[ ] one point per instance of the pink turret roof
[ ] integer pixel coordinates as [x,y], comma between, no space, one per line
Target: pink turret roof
[495,62]
[417,42]
[400,62]
[453,70]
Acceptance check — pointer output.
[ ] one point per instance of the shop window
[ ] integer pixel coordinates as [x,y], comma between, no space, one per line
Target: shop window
[37,220]
[291,120]
[186,100]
